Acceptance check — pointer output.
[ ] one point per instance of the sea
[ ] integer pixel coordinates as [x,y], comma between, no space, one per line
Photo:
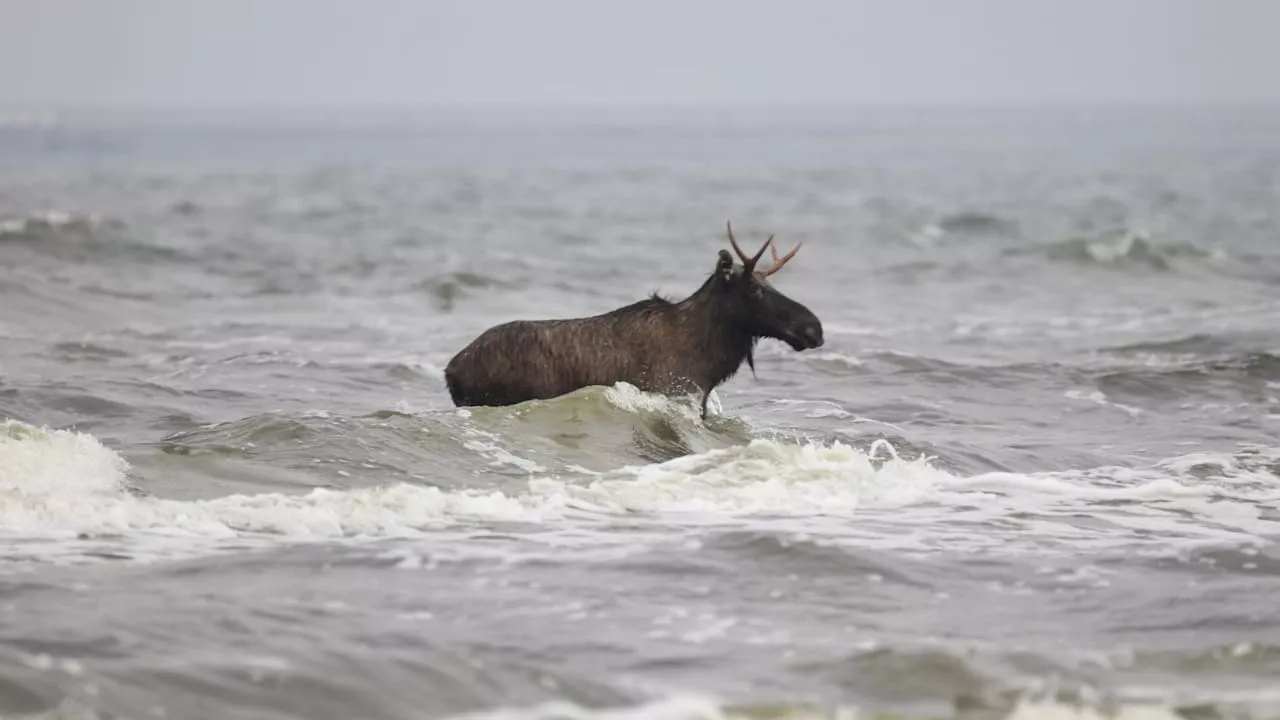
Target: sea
[1033,472]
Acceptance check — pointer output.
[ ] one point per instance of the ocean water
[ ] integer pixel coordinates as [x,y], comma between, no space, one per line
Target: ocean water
[1031,474]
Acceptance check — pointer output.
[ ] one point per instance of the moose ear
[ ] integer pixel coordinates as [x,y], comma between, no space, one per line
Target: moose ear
[724,264]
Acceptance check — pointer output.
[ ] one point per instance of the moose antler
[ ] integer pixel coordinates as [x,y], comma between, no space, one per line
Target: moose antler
[748,263]
[777,264]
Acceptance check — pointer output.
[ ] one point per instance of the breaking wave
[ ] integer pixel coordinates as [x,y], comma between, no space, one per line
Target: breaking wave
[53,223]
[63,484]
[693,707]
[1129,249]
[589,429]
[79,237]
[641,425]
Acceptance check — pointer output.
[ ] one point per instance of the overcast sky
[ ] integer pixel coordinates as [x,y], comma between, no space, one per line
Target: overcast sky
[289,53]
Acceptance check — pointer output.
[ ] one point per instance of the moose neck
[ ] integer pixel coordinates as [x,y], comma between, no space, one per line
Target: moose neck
[719,339]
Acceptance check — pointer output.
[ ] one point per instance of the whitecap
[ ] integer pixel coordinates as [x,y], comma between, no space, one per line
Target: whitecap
[60,484]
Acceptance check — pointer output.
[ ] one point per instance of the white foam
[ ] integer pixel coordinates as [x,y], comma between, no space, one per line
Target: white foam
[675,708]
[489,444]
[837,358]
[763,477]
[58,484]
[626,396]
[39,463]
[695,707]
[415,361]
[1100,398]
[1120,248]
[1252,468]
[1077,485]
[1051,710]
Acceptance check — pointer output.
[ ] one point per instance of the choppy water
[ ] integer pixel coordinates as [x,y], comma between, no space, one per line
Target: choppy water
[1032,472]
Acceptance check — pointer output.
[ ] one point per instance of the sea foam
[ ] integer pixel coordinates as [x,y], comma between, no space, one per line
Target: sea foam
[59,483]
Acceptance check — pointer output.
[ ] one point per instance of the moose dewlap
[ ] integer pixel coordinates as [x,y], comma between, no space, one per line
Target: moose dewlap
[660,346]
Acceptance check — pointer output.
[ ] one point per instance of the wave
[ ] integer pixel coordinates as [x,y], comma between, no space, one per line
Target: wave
[970,225]
[60,484]
[1128,249]
[656,427]
[40,225]
[975,222]
[1195,344]
[880,361]
[338,451]
[508,689]
[1251,366]
[40,463]
[1210,351]
[1213,368]
[448,289]
[697,707]
[588,429]
[80,237]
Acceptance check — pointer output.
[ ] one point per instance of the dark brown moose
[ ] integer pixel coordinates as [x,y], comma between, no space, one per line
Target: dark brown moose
[672,348]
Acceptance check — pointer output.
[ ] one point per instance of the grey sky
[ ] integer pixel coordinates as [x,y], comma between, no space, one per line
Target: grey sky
[283,53]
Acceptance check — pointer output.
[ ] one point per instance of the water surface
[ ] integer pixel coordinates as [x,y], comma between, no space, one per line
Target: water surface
[1033,469]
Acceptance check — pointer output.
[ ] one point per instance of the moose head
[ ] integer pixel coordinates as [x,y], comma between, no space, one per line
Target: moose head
[754,305]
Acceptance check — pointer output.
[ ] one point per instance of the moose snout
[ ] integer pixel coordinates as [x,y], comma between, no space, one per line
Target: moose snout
[812,333]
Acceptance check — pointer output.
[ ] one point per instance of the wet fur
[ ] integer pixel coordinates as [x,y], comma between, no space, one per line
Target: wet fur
[657,345]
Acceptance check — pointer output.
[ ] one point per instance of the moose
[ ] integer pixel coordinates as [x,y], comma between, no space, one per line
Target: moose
[670,348]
